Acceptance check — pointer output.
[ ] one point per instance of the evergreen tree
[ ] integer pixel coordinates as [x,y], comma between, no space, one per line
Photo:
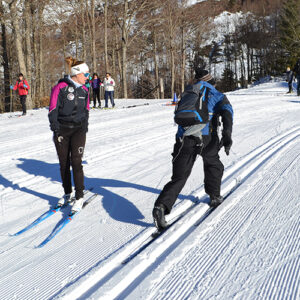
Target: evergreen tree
[227,82]
[290,29]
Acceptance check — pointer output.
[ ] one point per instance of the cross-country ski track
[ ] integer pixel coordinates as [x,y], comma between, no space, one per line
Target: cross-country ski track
[247,248]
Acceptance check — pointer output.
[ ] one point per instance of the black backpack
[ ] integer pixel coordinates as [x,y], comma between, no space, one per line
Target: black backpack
[192,107]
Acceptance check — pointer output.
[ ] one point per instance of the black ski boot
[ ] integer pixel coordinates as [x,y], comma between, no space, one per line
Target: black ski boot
[158,214]
[215,200]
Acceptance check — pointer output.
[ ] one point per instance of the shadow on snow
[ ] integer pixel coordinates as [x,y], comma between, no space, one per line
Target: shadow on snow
[117,206]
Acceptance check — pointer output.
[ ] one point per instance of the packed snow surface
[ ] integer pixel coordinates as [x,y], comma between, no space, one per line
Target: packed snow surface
[247,248]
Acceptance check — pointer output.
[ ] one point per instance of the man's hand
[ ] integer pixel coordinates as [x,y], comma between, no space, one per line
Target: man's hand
[226,141]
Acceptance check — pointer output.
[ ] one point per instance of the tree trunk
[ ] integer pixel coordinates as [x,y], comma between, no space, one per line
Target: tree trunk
[76,37]
[5,63]
[105,34]
[171,48]
[40,49]
[93,35]
[35,41]
[64,48]
[248,65]
[183,57]
[89,35]
[83,38]
[28,31]
[124,50]
[119,63]
[120,92]
[18,37]
[155,64]
[162,91]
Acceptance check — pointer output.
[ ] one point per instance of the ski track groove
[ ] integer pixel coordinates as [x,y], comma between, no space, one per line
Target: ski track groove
[126,147]
[282,138]
[200,268]
[95,158]
[45,265]
[262,211]
[258,212]
[269,281]
[288,274]
[78,242]
[205,266]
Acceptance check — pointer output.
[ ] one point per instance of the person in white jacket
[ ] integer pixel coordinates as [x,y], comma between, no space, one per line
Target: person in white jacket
[109,86]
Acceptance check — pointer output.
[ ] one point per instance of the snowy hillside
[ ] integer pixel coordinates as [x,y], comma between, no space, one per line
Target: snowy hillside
[247,248]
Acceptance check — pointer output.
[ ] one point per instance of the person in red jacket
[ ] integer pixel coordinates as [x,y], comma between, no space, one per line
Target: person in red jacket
[22,86]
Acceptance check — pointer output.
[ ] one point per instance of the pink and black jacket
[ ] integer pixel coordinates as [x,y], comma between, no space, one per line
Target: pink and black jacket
[69,106]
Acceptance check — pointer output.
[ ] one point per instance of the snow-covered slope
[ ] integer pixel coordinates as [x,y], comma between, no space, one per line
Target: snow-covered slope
[248,248]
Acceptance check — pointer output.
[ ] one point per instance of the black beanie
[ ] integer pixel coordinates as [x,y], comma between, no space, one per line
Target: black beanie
[201,74]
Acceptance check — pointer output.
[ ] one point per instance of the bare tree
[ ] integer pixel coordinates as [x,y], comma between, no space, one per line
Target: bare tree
[93,34]
[15,19]
[28,30]
[129,31]
[5,60]
[105,34]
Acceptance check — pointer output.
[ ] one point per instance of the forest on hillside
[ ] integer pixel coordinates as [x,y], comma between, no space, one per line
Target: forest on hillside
[150,47]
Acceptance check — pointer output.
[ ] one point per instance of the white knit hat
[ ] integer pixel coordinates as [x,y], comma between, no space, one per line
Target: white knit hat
[82,68]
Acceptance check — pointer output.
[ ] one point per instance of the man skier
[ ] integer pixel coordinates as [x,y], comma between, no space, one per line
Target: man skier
[204,142]
[297,74]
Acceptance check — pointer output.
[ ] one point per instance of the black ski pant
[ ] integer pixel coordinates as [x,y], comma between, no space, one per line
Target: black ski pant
[298,85]
[96,95]
[70,151]
[23,103]
[184,156]
[290,87]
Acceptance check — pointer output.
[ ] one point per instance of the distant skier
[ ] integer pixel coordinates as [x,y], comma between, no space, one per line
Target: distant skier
[204,142]
[297,72]
[88,83]
[96,82]
[289,79]
[22,86]
[68,116]
[109,87]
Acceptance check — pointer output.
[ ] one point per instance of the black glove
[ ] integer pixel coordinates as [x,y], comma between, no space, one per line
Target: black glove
[226,141]
[58,135]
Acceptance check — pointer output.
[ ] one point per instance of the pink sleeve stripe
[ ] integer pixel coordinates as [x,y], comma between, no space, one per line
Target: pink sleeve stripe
[54,95]
[88,102]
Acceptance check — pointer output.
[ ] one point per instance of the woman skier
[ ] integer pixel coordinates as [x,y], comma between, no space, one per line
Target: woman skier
[68,116]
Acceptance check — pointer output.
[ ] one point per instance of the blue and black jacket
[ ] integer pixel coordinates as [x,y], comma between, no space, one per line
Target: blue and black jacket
[218,106]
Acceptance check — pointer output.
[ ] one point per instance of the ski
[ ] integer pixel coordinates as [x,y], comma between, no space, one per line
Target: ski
[156,234]
[66,221]
[44,216]
[40,219]
[136,105]
[152,238]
